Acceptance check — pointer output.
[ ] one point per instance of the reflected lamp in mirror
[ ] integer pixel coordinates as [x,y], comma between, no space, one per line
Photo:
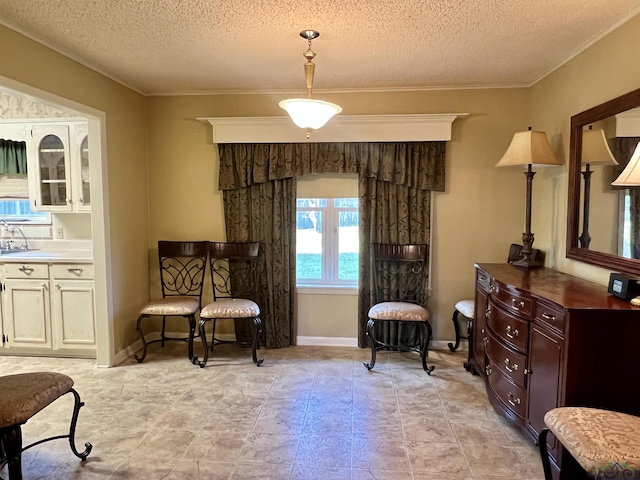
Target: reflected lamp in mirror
[630,176]
[528,149]
[595,151]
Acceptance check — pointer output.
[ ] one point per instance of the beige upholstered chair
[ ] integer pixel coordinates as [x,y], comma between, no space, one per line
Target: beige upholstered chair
[399,273]
[234,275]
[605,444]
[182,266]
[21,397]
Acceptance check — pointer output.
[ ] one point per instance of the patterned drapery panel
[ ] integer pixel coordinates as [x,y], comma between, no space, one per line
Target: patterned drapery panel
[622,149]
[259,192]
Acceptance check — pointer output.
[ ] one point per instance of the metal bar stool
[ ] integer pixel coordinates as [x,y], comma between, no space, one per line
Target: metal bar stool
[465,308]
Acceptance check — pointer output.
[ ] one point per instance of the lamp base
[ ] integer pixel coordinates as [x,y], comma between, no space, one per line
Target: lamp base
[524,263]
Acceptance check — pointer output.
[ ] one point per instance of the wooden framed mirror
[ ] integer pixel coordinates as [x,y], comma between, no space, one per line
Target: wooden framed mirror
[613,216]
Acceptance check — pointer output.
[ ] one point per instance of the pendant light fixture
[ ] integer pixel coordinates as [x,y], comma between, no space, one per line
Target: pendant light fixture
[309,113]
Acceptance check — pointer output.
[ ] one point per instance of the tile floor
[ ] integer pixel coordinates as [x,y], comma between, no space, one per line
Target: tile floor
[308,413]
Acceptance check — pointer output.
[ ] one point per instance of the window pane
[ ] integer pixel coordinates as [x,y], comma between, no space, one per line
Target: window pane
[20,211]
[345,202]
[311,202]
[348,245]
[309,244]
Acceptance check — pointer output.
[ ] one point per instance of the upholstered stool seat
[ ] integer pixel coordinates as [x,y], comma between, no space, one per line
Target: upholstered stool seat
[602,442]
[231,308]
[408,312]
[466,308]
[21,397]
[179,306]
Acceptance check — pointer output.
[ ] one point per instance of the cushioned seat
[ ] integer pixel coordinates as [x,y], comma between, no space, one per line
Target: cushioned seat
[231,308]
[466,307]
[21,397]
[407,312]
[604,443]
[171,306]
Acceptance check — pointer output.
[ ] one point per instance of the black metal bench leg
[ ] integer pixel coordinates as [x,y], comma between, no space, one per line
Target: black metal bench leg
[425,333]
[11,441]
[544,454]
[205,347]
[144,342]
[372,341]
[456,327]
[257,331]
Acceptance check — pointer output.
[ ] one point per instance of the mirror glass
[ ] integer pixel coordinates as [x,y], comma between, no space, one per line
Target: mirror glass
[604,220]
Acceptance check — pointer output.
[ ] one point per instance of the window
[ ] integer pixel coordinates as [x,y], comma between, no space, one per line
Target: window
[327,242]
[19,211]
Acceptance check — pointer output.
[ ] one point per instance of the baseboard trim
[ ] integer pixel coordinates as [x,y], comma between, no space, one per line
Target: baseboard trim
[328,341]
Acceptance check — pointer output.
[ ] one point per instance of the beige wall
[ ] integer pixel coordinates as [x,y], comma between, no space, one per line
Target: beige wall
[606,70]
[476,219]
[33,64]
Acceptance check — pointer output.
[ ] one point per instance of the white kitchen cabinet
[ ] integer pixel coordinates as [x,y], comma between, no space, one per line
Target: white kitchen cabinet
[49,308]
[58,167]
[72,299]
[26,312]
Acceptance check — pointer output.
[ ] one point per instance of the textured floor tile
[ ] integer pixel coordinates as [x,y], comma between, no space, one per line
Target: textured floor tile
[371,426]
[324,452]
[331,423]
[357,474]
[167,444]
[279,422]
[269,448]
[530,455]
[497,461]
[201,470]
[427,429]
[134,468]
[215,446]
[486,432]
[379,454]
[303,472]
[437,458]
[261,472]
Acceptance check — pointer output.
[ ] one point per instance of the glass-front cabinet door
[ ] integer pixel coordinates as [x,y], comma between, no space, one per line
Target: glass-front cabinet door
[50,171]
[80,177]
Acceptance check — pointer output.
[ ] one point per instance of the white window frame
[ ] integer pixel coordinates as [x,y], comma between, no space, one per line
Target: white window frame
[330,247]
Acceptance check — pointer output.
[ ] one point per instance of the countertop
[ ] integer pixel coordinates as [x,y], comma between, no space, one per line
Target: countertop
[48,256]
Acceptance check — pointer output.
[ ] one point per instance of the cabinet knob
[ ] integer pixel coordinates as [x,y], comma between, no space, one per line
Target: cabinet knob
[511,333]
[44,285]
[68,200]
[492,288]
[81,200]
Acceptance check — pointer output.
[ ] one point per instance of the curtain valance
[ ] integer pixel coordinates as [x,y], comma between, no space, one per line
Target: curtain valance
[13,157]
[412,164]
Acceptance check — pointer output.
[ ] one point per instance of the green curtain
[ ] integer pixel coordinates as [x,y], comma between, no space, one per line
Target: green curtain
[259,194]
[13,157]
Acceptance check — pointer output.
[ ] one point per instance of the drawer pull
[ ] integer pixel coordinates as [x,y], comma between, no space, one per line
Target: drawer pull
[546,316]
[26,270]
[487,313]
[517,304]
[75,270]
[492,288]
[485,341]
[514,401]
[510,367]
[487,370]
[511,335]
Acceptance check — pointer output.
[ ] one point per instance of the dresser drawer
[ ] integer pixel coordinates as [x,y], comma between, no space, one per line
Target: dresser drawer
[550,314]
[483,280]
[26,270]
[511,363]
[513,397]
[72,271]
[512,299]
[511,330]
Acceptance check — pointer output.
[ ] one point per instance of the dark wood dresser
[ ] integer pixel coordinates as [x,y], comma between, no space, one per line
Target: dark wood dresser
[544,339]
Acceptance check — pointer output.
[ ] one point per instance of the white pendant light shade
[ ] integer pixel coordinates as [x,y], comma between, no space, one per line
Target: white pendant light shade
[309,113]
[630,176]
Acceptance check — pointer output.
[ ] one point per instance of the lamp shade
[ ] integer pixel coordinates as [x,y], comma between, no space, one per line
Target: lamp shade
[630,176]
[528,148]
[595,149]
[309,113]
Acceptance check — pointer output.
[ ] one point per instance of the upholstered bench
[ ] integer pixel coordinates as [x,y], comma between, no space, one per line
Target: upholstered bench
[21,397]
[605,444]
[465,308]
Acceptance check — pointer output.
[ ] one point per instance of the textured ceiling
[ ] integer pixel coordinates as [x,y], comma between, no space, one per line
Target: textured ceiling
[207,46]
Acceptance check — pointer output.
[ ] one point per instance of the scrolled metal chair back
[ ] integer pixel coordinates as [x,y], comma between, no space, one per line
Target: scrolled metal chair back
[182,266]
[234,269]
[399,272]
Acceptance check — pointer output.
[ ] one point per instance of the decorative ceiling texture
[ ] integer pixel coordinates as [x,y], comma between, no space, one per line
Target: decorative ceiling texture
[211,46]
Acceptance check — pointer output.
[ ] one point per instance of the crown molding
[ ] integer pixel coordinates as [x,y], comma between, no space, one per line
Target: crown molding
[342,128]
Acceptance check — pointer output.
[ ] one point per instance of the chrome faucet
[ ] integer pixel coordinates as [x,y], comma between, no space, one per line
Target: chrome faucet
[7,228]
